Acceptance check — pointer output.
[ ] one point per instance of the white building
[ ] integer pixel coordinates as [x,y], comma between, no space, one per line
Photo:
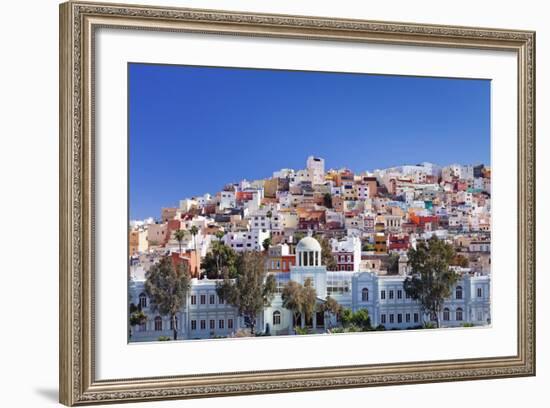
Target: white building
[206,316]
[316,167]
[251,240]
[227,200]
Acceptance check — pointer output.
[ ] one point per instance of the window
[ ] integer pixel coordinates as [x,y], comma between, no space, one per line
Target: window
[383,294]
[158,323]
[391,318]
[407,317]
[365,295]
[194,299]
[229,323]
[220,301]
[479,292]
[391,294]
[383,319]
[203,299]
[399,294]
[212,324]
[193,325]
[446,314]
[407,296]
[212,299]
[458,292]
[276,317]
[221,324]
[416,317]
[203,324]
[399,318]
[142,300]
[459,314]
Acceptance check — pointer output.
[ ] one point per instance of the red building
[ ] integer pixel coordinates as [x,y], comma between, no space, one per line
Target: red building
[399,243]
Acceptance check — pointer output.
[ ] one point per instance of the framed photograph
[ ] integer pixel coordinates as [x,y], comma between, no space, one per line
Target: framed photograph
[255,203]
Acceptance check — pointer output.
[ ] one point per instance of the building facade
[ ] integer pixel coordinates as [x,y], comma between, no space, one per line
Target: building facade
[205,315]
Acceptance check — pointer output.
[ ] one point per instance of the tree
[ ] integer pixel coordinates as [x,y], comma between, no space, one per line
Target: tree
[327,258]
[194,231]
[431,279]
[252,290]
[359,320]
[179,235]
[292,298]
[310,300]
[393,263]
[167,286]
[331,306]
[219,261]
[300,299]
[266,243]
[461,260]
[219,234]
[137,317]
[327,200]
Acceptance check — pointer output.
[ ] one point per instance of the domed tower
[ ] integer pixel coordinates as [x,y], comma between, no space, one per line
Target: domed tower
[308,252]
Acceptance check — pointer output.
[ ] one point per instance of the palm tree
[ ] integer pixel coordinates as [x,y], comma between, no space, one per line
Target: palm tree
[220,234]
[179,235]
[194,231]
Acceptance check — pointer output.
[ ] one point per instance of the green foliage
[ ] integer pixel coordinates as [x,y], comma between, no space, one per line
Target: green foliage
[137,318]
[327,200]
[220,261]
[179,235]
[164,338]
[432,280]
[134,308]
[356,321]
[331,306]
[393,263]
[367,247]
[468,324]
[429,325]
[301,331]
[300,299]
[252,290]
[266,243]
[327,258]
[460,260]
[298,236]
[380,327]
[167,287]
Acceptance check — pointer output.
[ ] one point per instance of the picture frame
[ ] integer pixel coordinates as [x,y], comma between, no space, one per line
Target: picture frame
[79,22]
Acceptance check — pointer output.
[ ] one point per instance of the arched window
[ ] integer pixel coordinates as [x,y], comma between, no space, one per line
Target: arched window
[158,323]
[459,314]
[276,317]
[142,300]
[458,292]
[446,314]
[365,295]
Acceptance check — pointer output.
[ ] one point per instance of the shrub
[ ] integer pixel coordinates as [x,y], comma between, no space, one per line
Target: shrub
[468,325]
[163,338]
[300,330]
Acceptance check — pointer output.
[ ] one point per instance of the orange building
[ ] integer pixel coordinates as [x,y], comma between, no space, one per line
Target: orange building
[188,257]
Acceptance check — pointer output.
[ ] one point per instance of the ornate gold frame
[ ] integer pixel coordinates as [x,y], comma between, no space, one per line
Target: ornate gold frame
[78,20]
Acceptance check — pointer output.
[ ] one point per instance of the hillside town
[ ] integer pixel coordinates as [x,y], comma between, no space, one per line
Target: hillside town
[346,235]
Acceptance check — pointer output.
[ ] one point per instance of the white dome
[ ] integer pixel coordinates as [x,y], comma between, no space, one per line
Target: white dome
[308,244]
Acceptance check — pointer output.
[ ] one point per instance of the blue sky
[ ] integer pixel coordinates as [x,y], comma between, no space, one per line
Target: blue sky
[194,129]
